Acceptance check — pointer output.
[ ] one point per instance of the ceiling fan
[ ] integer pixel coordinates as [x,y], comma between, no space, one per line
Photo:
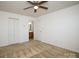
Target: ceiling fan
[36,5]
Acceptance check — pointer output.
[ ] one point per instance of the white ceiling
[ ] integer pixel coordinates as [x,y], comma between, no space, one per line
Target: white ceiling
[17,7]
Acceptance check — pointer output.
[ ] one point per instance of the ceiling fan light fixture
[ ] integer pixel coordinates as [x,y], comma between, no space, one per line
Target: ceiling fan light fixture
[35,7]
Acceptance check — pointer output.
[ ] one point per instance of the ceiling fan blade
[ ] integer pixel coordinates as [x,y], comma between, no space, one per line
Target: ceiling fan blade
[42,2]
[43,7]
[28,7]
[31,2]
[35,10]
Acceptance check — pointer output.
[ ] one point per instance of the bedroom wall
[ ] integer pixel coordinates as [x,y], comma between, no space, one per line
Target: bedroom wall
[60,28]
[13,28]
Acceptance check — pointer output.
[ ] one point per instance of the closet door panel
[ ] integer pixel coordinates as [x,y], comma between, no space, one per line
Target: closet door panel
[16,31]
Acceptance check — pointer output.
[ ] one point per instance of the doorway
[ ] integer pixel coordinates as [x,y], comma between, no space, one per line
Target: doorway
[31,30]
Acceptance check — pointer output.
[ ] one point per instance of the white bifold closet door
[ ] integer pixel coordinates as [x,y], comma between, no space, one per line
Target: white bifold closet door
[13,31]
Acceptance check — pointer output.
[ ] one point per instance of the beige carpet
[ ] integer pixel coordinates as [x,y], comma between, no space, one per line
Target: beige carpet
[35,49]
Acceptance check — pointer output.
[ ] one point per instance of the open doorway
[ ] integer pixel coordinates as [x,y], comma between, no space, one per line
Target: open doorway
[31,30]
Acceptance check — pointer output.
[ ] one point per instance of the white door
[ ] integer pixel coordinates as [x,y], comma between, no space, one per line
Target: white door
[13,31]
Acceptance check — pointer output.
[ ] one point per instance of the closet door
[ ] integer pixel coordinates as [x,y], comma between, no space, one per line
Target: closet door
[13,31]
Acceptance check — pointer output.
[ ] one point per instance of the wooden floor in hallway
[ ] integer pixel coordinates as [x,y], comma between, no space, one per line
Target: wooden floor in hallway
[35,49]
